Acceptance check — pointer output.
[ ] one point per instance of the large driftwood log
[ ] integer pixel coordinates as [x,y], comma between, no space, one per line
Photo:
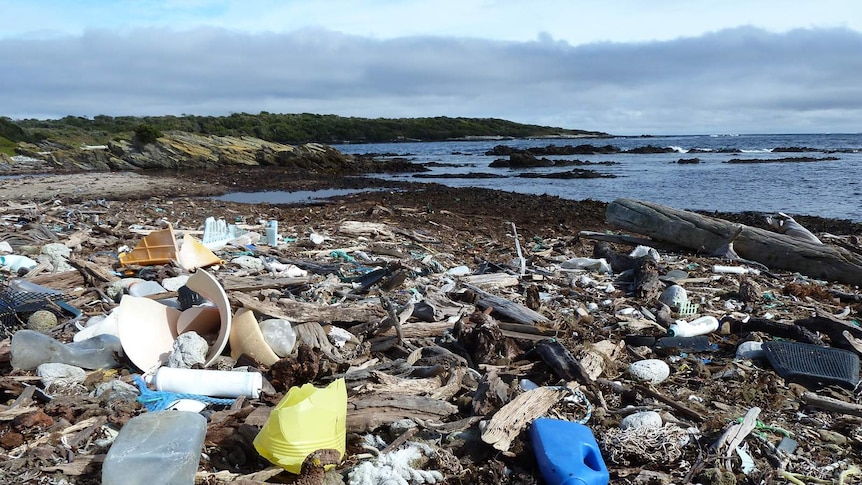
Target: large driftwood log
[703,233]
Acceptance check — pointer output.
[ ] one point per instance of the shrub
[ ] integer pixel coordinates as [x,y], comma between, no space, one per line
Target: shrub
[7,146]
[145,134]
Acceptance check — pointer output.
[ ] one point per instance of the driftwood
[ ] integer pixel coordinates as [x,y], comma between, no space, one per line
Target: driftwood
[832,404]
[253,283]
[624,239]
[703,233]
[366,413]
[512,418]
[518,313]
[295,311]
[834,328]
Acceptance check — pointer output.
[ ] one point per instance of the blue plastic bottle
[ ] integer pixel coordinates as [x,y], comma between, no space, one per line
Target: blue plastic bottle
[567,453]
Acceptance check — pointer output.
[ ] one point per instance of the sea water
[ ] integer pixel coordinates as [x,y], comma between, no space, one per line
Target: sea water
[826,188]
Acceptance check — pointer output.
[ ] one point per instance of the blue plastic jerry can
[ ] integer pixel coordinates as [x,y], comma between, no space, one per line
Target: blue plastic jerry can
[567,453]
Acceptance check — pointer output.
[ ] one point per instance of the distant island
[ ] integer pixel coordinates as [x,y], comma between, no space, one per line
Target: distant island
[277,128]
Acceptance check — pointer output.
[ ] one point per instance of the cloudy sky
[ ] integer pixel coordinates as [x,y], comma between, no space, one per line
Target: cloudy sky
[625,66]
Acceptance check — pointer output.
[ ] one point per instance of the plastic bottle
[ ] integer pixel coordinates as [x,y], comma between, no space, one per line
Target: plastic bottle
[279,335]
[698,326]
[16,262]
[31,349]
[216,383]
[163,447]
[272,233]
[567,453]
[734,269]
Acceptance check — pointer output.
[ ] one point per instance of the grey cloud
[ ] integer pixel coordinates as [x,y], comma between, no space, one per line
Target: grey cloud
[738,80]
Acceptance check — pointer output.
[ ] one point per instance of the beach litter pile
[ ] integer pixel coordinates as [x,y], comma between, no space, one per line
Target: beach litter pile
[368,344]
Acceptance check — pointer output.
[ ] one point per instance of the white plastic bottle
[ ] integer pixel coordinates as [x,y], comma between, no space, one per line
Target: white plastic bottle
[699,326]
[216,383]
[15,262]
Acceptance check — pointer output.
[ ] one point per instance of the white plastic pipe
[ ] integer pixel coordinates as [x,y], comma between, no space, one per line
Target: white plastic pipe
[216,383]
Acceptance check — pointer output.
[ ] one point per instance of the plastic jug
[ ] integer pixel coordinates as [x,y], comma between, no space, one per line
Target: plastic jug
[163,447]
[31,349]
[567,453]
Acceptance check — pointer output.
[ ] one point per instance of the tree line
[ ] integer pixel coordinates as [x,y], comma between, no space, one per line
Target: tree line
[287,128]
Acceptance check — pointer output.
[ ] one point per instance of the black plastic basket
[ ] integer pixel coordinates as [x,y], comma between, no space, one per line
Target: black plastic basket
[16,305]
[813,366]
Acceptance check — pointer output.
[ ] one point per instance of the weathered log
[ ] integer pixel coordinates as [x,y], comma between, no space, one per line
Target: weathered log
[296,311]
[832,404]
[704,233]
[367,413]
[517,312]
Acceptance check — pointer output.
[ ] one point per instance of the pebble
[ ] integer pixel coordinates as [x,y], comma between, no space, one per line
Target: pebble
[60,374]
[650,370]
[644,419]
[248,262]
[750,350]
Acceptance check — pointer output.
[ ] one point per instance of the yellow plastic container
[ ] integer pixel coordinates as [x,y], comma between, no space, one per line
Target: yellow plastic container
[159,247]
[306,420]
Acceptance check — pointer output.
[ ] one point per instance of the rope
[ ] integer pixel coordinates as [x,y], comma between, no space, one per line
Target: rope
[161,400]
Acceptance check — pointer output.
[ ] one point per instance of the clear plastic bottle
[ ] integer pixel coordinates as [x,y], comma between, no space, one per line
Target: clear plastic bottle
[699,326]
[31,349]
[156,448]
[279,335]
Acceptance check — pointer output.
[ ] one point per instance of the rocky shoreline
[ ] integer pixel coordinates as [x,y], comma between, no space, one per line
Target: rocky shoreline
[480,259]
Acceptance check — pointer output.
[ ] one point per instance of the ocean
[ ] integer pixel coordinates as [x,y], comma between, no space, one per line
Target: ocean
[830,186]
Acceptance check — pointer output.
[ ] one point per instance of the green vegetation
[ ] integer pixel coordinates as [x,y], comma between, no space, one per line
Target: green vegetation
[7,146]
[11,131]
[145,134]
[10,135]
[290,128]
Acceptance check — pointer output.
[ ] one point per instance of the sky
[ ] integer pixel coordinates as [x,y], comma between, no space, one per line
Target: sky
[626,67]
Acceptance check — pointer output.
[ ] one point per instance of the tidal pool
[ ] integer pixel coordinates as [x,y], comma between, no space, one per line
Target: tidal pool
[288,197]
